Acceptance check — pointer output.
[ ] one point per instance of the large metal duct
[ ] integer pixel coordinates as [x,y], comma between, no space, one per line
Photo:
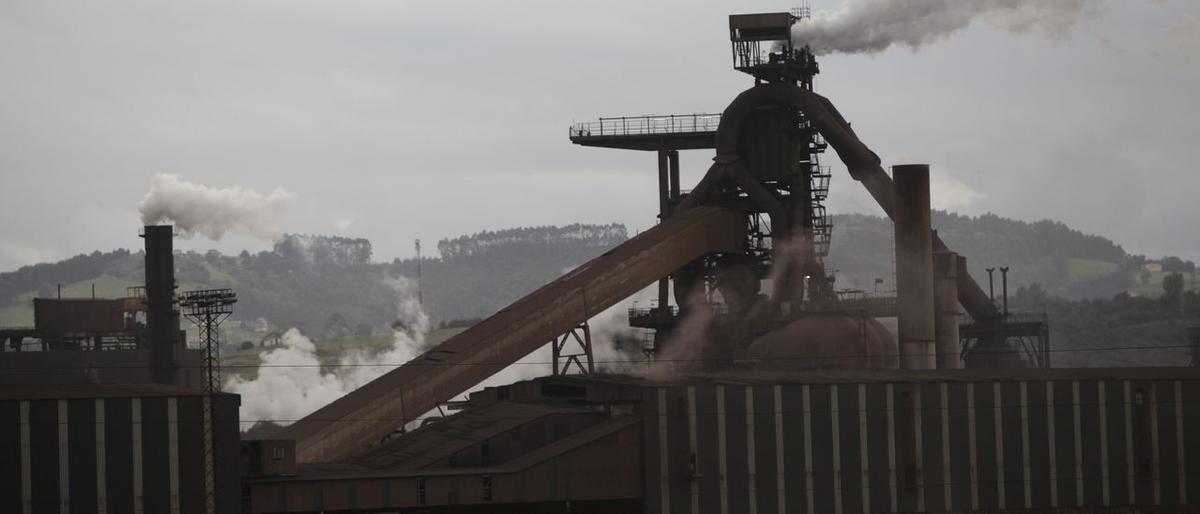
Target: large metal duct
[162,320]
[945,300]
[863,165]
[914,267]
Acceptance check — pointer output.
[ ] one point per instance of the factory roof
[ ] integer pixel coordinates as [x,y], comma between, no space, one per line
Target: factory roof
[831,376]
[89,391]
[347,471]
[440,439]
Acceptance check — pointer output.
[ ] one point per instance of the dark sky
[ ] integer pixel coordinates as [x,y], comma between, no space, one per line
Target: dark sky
[399,120]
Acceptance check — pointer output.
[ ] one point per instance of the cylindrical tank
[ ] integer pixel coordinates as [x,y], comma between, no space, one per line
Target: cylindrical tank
[945,300]
[825,341]
[914,267]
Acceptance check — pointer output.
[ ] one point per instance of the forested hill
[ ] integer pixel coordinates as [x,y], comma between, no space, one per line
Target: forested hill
[477,275]
[1064,261]
[329,285]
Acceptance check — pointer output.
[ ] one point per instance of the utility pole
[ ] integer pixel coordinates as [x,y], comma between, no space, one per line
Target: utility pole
[420,303]
[991,284]
[1004,282]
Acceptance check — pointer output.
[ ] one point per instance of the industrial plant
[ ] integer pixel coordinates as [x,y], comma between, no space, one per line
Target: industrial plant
[764,388]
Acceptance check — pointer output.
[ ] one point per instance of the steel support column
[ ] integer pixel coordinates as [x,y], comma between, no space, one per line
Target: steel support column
[582,335]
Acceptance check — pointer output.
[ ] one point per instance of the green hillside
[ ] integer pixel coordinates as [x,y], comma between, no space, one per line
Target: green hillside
[1066,262]
[328,286]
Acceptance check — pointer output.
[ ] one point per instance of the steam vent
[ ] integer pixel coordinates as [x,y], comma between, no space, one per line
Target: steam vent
[765,386]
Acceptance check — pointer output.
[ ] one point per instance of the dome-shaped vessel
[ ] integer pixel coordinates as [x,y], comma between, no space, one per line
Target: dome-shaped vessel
[825,341]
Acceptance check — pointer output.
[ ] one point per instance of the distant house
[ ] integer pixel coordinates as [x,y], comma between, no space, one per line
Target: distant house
[1153,267]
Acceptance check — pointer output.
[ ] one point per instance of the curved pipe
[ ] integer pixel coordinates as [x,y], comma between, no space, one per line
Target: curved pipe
[761,196]
[863,164]
[712,178]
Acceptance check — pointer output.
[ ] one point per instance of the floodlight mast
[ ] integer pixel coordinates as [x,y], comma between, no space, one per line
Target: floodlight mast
[207,308]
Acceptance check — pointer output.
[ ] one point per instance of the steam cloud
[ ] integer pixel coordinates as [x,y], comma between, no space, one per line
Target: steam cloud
[871,26]
[290,383]
[196,208]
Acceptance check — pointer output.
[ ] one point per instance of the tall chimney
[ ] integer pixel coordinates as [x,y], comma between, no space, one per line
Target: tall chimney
[162,320]
[914,267]
[945,299]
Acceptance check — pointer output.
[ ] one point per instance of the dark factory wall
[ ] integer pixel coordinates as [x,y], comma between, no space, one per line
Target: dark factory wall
[922,446]
[119,454]
[90,367]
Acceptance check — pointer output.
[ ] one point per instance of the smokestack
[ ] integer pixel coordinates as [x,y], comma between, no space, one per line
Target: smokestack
[162,320]
[914,266]
[945,299]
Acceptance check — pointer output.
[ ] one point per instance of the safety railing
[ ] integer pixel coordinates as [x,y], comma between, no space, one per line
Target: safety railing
[647,125]
[1013,317]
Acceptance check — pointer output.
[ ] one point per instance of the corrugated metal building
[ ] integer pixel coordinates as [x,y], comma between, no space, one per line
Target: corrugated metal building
[544,455]
[113,449]
[925,441]
[831,442]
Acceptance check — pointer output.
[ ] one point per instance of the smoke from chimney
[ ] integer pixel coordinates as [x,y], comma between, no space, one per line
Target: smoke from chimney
[872,26]
[196,208]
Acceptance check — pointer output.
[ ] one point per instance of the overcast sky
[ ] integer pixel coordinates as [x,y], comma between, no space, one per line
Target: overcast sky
[403,120]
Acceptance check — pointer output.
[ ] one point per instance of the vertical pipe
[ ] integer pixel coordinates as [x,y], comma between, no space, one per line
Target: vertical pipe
[914,266]
[991,284]
[945,297]
[664,205]
[674,175]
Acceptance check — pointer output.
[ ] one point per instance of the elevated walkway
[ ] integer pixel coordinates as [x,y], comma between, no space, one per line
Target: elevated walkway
[650,133]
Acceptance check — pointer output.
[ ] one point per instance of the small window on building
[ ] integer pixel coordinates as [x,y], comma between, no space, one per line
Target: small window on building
[420,491]
[485,454]
[487,489]
[453,463]
[277,452]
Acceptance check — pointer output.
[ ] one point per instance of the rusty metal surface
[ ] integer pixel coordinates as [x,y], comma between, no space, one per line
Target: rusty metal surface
[914,267]
[600,462]
[433,443]
[80,391]
[78,315]
[347,426]
[869,376]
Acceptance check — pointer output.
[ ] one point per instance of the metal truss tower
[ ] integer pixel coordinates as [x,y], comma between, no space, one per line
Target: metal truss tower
[207,308]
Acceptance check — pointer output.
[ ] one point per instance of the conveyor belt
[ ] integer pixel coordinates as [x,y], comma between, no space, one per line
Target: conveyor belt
[349,425]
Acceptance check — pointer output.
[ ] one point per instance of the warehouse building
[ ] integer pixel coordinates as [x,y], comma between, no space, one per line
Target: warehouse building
[115,449]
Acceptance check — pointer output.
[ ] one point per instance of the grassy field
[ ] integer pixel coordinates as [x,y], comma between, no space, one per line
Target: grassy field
[1083,269]
[16,316]
[20,312]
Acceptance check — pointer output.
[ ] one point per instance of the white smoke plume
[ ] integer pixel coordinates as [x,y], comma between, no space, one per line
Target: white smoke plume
[291,384]
[197,208]
[871,26]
